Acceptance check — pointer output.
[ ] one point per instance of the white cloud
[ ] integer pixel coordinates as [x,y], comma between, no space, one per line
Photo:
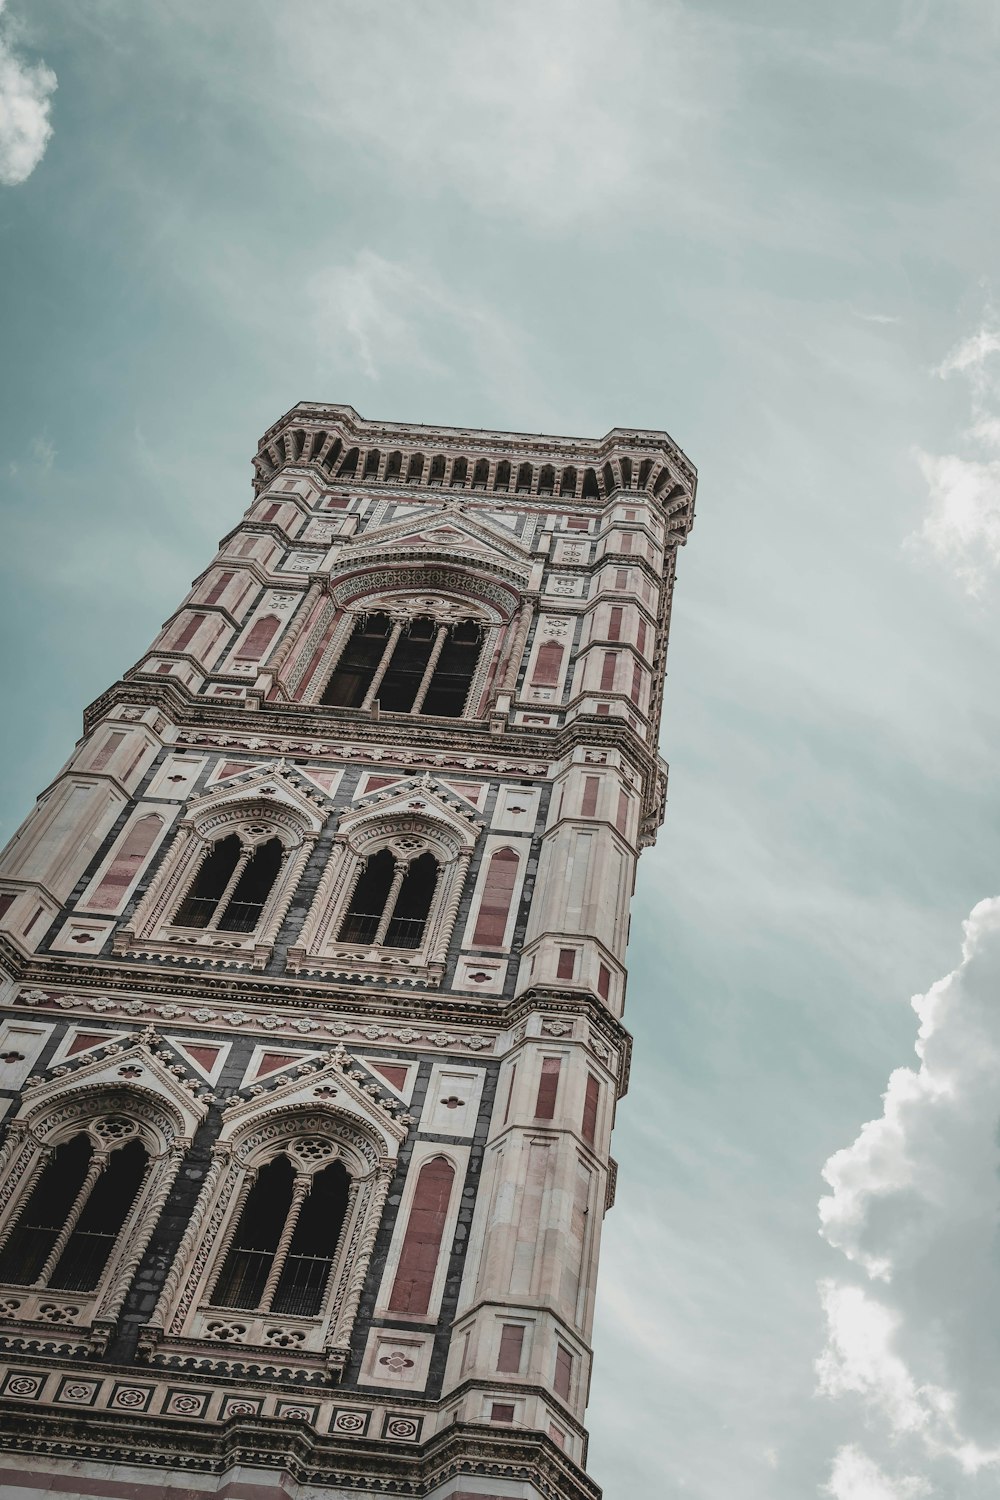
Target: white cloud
[962,527]
[25,102]
[915,1205]
[855,1476]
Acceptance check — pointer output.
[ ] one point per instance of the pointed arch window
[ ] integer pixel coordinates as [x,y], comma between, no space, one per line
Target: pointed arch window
[128,861]
[498,893]
[64,1236]
[287,1234]
[414,1279]
[409,667]
[391,901]
[232,886]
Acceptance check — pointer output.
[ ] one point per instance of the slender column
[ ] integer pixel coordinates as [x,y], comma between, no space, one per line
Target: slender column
[383,666]
[399,875]
[235,1216]
[431,667]
[297,626]
[97,1165]
[508,681]
[300,1192]
[227,894]
[35,1167]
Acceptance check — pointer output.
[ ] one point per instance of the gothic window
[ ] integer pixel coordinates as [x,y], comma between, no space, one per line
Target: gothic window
[480,474]
[372,460]
[415,469]
[391,901]
[547,480]
[502,479]
[626,468]
[282,1252]
[460,473]
[231,887]
[349,466]
[75,1213]
[590,489]
[130,858]
[567,484]
[524,477]
[410,667]
[609,480]
[394,465]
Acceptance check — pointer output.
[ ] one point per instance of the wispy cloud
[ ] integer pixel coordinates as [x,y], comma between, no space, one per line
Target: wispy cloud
[913,1207]
[962,527]
[855,1476]
[26,91]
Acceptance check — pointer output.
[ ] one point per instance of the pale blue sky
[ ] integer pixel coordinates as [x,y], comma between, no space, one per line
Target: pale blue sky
[763,226]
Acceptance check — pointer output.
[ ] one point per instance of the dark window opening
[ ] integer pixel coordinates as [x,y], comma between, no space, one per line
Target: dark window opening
[394,465]
[304,1276]
[244,1272]
[416,468]
[436,475]
[567,485]
[609,480]
[398,687]
[590,489]
[364,914]
[349,467]
[244,907]
[547,480]
[82,1262]
[502,479]
[625,464]
[480,474]
[198,907]
[352,676]
[524,477]
[645,469]
[413,904]
[372,459]
[45,1212]
[449,687]
[460,473]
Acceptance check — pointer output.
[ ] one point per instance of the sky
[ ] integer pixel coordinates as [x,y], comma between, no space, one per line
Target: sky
[772,229]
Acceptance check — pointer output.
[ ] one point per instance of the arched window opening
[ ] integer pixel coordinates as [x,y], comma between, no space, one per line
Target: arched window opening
[298,443]
[662,480]
[333,455]
[436,475]
[283,1248]
[502,478]
[404,674]
[262,632]
[198,907]
[82,1262]
[524,477]
[625,464]
[391,902]
[415,469]
[359,660]
[369,899]
[394,465]
[645,469]
[460,473]
[244,907]
[567,485]
[609,480]
[413,904]
[449,686]
[498,892]
[372,460]
[480,474]
[34,1235]
[349,467]
[73,1217]
[414,1280]
[590,488]
[547,480]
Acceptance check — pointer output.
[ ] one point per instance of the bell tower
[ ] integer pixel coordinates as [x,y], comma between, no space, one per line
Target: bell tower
[313,972]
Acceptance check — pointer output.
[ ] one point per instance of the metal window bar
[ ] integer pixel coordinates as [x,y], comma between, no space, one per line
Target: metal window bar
[303,1282]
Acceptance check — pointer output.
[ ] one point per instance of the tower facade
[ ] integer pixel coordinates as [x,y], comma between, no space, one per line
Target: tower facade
[313,976]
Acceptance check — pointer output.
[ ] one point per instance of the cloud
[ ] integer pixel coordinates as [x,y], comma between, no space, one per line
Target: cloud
[914,1208]
[25,102]
[855,1476]
[962,527]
